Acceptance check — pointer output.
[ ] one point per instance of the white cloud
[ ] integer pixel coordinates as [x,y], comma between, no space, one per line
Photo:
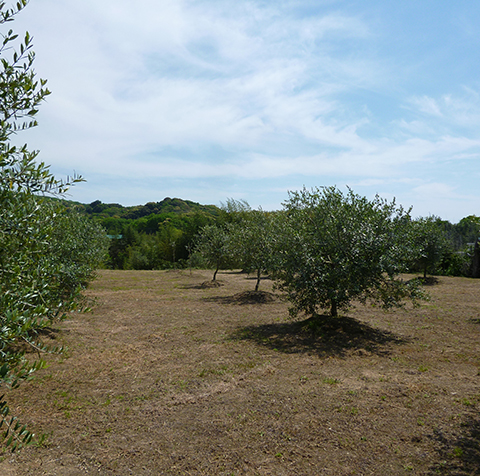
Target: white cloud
[416,128]
[112,81]
[460,111]
[435,189]
[426,105]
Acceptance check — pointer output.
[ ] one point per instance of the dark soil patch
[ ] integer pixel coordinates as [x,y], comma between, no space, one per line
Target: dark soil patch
[210,284]
[252,297]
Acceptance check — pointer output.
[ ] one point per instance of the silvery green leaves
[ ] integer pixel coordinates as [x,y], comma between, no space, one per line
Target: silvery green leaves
[45,259]
[342,247]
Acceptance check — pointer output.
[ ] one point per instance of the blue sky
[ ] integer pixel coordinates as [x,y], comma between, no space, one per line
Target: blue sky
[209,100]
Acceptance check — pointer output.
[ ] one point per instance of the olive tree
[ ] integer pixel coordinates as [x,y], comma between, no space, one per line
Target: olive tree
[254,240]
[44,261]
[336,248]
[429,243]
[213,244]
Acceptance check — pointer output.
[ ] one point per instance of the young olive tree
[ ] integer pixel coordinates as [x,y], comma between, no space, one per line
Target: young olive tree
[338,248]
[429,243]
[254,241]
[213,244]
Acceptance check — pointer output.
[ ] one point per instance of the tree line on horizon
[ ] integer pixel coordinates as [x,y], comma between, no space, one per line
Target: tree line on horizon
[165,234]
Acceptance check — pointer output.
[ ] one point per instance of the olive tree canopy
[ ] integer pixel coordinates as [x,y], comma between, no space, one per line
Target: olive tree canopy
[336,248]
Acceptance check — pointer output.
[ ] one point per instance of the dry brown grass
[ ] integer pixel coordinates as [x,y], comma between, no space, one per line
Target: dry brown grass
[170,377]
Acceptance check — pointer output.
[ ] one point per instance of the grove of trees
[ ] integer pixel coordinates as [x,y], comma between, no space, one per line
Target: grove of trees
[326,249]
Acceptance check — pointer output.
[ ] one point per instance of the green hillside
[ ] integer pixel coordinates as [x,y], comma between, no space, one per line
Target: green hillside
[167,205]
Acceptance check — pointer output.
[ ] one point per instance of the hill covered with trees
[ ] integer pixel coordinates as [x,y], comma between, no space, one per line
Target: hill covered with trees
[156,235]
[113,216]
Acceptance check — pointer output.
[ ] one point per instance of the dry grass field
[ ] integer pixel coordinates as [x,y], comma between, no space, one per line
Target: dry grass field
[168,377]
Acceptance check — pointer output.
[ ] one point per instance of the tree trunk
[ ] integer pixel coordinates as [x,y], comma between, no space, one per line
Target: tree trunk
[258,280]
[476,261]
[333,310]
[215,274]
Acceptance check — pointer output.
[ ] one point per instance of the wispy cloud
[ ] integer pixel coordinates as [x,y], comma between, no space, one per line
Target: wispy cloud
[454,110]
[426,105]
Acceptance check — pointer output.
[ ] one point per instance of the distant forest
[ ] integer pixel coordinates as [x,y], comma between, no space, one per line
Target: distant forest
[162,235]
[157,235]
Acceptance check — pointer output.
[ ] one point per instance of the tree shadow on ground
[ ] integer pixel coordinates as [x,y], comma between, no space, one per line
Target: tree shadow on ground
[428,281]
[205,285]
[323,336]
[459,456]
[52,332]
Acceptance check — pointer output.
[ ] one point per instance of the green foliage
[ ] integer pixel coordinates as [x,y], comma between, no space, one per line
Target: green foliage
[146,251]
[455,263]
[157,241]
[474,270]
[335,248]
[14,434]
[79,246]
[213,244]
[441,248]
[218,244]
[234,211]
[168,206]
[46,255]
[141,236]
[253,241]
[469,229]
[429,243]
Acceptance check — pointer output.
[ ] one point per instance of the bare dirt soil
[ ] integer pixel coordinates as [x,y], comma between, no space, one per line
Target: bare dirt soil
[169,377]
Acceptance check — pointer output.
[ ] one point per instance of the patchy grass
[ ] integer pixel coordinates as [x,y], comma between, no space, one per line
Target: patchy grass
[169,376]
